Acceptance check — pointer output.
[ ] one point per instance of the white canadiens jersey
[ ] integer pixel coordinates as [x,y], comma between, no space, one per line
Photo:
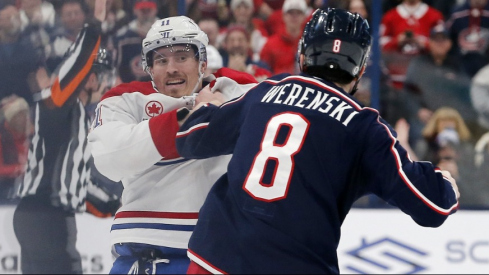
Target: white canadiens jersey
[133,141]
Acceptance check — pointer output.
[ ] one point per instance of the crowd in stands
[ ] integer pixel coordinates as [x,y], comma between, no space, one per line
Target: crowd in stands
[434,67]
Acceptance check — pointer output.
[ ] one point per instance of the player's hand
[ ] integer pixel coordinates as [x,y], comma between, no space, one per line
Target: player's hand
[207,96]
[449,177]
[99,10]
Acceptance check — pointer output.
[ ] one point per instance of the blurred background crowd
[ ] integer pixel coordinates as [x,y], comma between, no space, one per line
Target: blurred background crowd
[429,80]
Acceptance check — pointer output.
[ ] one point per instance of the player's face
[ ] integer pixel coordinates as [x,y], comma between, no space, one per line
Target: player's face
[105,81]
[175,70]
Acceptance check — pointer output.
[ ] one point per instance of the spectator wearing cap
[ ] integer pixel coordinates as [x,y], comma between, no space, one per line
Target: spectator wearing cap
[15,130]
[435,79]
[237,54]
[469,31]
[275,22]
[280,51]
[242,12]
[128,39]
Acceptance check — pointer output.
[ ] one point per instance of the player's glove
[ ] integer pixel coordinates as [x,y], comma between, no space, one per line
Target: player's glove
[232,83]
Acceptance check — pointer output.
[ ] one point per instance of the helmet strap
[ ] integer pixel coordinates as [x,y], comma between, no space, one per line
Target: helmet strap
[354,89]
[201,76]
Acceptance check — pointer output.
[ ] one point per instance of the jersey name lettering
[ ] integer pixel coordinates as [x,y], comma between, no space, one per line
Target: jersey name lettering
[304,97]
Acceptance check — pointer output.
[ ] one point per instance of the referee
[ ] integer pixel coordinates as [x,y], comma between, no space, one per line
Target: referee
[59,161]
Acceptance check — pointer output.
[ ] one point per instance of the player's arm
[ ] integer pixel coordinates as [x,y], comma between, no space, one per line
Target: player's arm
[419,189]
[211,130]
[124,144]
[77,63]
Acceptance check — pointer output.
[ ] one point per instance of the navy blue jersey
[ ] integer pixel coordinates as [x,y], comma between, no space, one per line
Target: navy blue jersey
[303,151]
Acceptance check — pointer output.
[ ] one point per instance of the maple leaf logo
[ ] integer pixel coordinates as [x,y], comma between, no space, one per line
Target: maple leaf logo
[153,108]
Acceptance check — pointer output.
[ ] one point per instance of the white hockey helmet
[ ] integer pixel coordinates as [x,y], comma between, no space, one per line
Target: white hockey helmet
[172,31]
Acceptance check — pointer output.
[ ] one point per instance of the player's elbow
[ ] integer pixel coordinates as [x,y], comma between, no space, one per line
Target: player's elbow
[432,219]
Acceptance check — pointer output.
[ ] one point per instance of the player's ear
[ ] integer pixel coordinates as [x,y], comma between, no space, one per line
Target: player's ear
[92,80]
[203,67]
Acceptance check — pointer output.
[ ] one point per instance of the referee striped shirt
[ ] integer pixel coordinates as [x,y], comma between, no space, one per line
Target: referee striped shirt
[59,159]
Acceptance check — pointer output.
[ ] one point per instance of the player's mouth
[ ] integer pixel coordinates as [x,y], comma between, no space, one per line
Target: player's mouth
[175,82]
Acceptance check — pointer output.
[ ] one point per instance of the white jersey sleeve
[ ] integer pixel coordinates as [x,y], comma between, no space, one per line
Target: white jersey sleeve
[123,143]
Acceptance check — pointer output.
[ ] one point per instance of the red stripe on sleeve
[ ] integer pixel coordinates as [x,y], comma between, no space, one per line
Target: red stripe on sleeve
[152,214]
[163,130]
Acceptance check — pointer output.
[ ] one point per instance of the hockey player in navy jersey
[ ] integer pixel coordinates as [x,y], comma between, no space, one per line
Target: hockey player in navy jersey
[303,151]
[133,141]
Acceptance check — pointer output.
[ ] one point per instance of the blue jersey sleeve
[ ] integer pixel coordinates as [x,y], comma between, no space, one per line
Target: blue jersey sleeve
[210,131]
[417,188]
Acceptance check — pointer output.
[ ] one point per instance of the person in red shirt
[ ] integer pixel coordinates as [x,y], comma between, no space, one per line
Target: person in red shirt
[404,34]
[242,14]
[237,54]
[281,49]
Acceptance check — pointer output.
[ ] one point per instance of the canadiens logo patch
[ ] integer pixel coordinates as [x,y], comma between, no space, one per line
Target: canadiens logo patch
[153,108]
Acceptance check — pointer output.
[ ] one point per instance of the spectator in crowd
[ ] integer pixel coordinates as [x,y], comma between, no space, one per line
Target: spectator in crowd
[211,27]
[404,34]
[237,54]
[195,9]
[128,42]
[58,171]
[37,13]
[280,51]
[445,125]
[72,14]
[449,144]
[19,57]
[265,8]
[275,22]
[242,15]
[358,6]
[15,131]
[469,31]
[446,7]
[435,79]
[117,17]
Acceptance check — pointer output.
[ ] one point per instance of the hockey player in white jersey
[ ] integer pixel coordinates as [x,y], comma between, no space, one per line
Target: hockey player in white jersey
[133,141]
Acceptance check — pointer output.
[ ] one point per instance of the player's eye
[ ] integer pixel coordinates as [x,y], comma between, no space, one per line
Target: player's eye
[181,58]
[161,61]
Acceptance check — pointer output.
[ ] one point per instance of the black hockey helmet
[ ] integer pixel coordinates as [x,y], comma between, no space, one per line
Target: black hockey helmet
[103,67]
[103,60]
[335,42]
